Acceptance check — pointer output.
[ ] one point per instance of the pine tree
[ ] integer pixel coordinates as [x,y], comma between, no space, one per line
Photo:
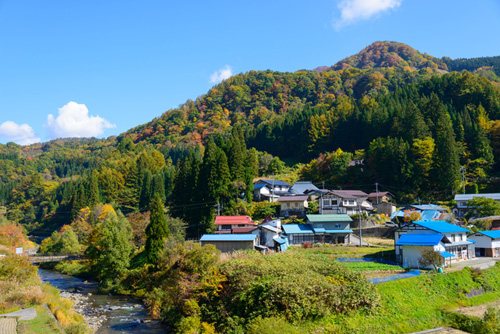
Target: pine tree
[93,191]
[159,185]
[156,231]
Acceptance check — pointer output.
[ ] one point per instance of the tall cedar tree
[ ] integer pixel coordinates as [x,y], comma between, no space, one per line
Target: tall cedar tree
[446,159]
[146,191]
[93,192]
[156,231]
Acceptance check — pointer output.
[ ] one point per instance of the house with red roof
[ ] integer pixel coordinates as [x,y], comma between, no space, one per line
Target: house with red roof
[226,224]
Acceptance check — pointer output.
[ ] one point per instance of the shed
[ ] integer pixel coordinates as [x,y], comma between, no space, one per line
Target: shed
[230,242]
[413,244]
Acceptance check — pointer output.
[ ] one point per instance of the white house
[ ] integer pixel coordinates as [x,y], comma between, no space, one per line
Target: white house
[455,243]
[270,190]
[412,245]
[487,243]
[463,199]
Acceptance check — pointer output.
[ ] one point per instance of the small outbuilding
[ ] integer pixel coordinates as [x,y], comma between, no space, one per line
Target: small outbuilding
[412,246]
[487,243]
[230,242]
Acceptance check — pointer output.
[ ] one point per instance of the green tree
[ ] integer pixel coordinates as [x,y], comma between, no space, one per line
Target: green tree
[483,207]
[110,258]
[156,231]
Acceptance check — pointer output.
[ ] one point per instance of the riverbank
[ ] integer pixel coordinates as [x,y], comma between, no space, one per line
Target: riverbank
[106,314]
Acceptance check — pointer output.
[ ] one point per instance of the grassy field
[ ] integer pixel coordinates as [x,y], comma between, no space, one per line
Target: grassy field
[43,323]
[370,266]
[386,242]
[334,251]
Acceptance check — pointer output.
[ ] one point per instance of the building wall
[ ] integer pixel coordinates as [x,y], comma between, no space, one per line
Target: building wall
[411,255]
[229,246]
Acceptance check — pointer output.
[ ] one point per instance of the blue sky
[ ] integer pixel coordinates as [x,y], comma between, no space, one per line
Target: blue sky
[99,68]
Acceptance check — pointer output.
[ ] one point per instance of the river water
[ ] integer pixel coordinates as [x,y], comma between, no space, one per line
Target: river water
[123,314]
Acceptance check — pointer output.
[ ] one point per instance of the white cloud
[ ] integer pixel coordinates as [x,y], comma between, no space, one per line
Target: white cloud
[221,74]
[74,121]
[20,134]
[357,10]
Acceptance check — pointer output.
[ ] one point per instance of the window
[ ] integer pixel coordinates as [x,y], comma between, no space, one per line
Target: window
[327,202]
[453,238]
[337,225]
[296,205]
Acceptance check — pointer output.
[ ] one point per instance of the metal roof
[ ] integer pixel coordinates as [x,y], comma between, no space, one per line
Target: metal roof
[298,198]
[297,228]
[228,237]
[492,234]
[440,226]
[446,254]
[468,197]
[319,230]
[243,230]
[275,182]
[430,214]
[233,220]
[280,240]
[332,218]
[338,231]
[419,240]
[300,187]
[349,194]
[427,207]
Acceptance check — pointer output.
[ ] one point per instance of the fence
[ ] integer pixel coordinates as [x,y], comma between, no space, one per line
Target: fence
[395,277]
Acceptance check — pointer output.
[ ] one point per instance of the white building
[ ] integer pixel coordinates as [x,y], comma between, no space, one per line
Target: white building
[412,245]
[487,243]
[463,199]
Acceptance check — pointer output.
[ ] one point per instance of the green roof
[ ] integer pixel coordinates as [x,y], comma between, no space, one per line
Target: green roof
[333,218]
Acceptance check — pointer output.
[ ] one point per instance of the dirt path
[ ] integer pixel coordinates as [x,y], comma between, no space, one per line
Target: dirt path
[479,310]
[8,326]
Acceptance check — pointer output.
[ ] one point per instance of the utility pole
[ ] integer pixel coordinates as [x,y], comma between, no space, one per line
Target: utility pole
[360,229]
[462,170]
[272,191]
[376,187]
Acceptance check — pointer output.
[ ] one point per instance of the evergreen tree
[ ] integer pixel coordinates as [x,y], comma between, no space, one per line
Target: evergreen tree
[156,231]
[78,201]
[93,192]
[159,186]
[446,169]
[146,191]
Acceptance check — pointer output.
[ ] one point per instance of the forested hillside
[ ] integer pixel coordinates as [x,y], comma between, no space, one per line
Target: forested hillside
[409,120]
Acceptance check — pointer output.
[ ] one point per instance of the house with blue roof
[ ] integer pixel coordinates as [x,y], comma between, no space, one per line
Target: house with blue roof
[455,239]
[427,212]
[487,243]
[333,228]
[270,190]
[231,242]
[412,245]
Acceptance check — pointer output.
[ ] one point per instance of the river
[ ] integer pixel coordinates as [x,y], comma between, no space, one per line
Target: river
[119,314]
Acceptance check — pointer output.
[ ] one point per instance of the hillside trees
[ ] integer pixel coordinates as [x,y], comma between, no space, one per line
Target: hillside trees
[156,231]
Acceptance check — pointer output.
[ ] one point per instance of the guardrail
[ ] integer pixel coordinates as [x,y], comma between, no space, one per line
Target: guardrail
[40,258]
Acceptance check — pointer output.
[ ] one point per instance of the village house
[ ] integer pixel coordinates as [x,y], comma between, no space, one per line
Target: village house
[455,241]
[487,243]
[226,224]
[331,228]
[426,211]
[301,187]
[293,205]
[270,190]
[382,201]
[412,245]
[463,199]
[344,202]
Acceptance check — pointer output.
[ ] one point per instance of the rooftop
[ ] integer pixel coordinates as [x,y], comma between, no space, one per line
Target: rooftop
[298,198]
[440,226]
[300,187]
[419,240]
[233,220]
[228,237]
[334,218]
[492,234]
[271,182]
[468,197]
[349,194]
[244,229]
[297,229]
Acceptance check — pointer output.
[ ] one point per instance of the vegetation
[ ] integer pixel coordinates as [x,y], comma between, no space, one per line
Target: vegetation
[371,266]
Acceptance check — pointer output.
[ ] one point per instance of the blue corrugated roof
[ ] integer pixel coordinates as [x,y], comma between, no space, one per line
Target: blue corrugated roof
[276,182]
[492,234]
[446,254]
[471,241]
[228,237]
[297,228]
[280,240]
[419,240]
[259,186]
[319,229]
[430,214]
[338,231]
[440,226]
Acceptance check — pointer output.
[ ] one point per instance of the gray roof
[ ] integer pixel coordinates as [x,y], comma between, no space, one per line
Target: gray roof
[301,186]
[468,197]
[329,218]
[275,182]
[298,198]
[349,194]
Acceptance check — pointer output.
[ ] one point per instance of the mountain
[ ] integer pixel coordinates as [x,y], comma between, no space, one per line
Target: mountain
[391,54]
